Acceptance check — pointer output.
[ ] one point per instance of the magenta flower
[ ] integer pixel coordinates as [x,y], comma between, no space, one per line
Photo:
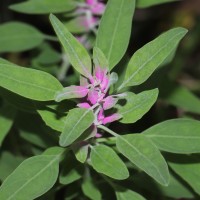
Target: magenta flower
[94,94]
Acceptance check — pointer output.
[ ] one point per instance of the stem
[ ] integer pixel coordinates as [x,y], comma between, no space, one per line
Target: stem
[108,130]
[51,38]
[109,139]
[64,68]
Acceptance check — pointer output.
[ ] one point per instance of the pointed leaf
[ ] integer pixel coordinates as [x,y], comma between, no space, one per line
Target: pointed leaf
[137,105]
[115,29]
[30,83]
[104,160]
[150,56]
[77,121]
[76,53]
[43,6]
[141,152]
[176,136]
[38,173]
[18,36]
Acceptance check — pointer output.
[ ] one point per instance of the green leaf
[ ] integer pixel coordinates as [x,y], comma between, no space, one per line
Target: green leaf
[7,116]
[104,160]
[141,152]
[18,36]
[76,53]
[184,99]
[29,83]
[8,163]
[40,135]
[150,56]
[71,171]
[52,119]
[176,189]
[77,121]
[126,194]
[17,101]
[176,136]
[99,58]
[81,151]
[76,25]
[136,105]
[147,3]
[32,178]
[54,115]
[188,168]
[47,55]
[90,190]
[115,29]
[43,6]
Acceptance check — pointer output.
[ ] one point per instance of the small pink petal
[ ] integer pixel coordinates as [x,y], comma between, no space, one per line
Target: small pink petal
[89,23]
[99,73]
[83,105]
[93,96]
[100,115]
[91,2]
[98,135]
[104,83]
[98,9]
[109,102]
[111,118]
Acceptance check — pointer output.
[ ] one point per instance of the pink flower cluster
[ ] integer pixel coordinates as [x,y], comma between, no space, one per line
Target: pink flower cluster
[96,93]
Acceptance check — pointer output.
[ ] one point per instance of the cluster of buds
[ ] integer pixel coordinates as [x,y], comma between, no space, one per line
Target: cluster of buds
[94,94]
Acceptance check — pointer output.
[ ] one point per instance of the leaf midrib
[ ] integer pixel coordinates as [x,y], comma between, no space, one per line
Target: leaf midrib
[76,124]
[116,171]
[145,63]
[115,30]
[174,137]
[23,82]
[71,47]
[37,174]
[143,157]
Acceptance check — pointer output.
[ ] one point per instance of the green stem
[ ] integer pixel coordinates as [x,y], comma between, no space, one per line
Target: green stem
[51,38]
[108,130]
[109,139]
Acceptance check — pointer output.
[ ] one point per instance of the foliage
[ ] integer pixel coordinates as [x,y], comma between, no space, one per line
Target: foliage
[58,114]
